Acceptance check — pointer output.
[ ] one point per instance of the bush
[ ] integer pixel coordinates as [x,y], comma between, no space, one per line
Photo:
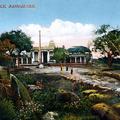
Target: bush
[25,78]
[71,117]
[7,110]
[105,112]
[29,111]
[3,74]
[45,97]
[79,117]
[98,97]
[48,98]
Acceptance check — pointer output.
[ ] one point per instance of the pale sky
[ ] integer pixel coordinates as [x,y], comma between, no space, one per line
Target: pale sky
[68,22]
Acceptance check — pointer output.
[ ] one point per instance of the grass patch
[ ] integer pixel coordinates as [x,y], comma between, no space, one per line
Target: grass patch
[4,74]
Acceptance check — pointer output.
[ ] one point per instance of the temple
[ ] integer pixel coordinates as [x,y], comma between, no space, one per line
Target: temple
[77,55]
[33,57]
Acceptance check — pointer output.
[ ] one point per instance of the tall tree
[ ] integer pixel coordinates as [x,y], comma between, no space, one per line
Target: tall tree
[6,49]
[108,41]
[60,54]
[19,39]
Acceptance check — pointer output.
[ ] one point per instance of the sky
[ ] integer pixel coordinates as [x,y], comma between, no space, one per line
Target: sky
[67,22]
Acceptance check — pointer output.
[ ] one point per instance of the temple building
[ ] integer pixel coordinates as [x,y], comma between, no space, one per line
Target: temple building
[77,55]
[46,53]
[36,56]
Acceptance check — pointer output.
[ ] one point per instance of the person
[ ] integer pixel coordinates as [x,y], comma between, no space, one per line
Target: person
[61,67]
[66,68]
[71,71]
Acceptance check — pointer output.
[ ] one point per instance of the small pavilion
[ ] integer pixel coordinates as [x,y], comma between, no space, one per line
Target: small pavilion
[79,54]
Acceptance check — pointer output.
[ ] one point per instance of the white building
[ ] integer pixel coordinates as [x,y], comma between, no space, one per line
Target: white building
[77,55]
[33,57]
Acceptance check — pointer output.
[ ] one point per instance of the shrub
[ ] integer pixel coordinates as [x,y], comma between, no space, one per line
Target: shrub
[3,74]
[71,117]
[45,97]
[25,78]
[5,90]
[7,110]
[29,111]
[105,112]
[89,91]
[97,97]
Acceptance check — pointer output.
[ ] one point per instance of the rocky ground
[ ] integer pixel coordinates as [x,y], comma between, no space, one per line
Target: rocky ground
[108,79]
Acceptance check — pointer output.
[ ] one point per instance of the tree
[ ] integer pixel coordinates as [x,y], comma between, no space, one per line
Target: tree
[19,39]
[108,41]
[6,46]
[60,54]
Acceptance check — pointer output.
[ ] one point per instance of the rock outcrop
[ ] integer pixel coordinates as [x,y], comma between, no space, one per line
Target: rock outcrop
[105,112]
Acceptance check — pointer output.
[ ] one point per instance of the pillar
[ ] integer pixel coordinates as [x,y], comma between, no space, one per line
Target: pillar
[70,59]
[16,61]
[26,60]
[33,57]
[75,60]
[84,60]
[48,56]
[42,56]
[21,60]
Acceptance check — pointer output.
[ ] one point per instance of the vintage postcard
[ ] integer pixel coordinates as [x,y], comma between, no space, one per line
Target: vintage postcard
[59,60]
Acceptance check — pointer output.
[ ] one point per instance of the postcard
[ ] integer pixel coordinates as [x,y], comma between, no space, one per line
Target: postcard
[59,60]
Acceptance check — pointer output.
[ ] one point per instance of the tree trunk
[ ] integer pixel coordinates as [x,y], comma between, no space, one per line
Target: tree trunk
[109,59]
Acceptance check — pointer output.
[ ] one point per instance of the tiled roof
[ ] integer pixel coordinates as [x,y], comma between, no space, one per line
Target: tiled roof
[78,49]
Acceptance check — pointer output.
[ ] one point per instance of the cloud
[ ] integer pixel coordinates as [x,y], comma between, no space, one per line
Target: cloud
[62,32]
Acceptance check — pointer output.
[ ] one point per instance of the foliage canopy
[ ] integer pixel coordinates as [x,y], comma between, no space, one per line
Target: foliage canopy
[108,41]
[60,54]
[19,39]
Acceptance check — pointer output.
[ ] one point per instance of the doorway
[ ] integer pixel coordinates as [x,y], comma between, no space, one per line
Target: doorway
[44,57]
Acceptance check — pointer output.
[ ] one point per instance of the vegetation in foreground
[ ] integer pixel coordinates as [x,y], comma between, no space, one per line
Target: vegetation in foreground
[42,96]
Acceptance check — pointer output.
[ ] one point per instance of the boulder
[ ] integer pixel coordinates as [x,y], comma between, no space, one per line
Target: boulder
[41,66]
[105,112]
[50,116]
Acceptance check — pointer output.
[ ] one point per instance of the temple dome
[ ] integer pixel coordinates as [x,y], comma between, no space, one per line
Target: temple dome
[51,44]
